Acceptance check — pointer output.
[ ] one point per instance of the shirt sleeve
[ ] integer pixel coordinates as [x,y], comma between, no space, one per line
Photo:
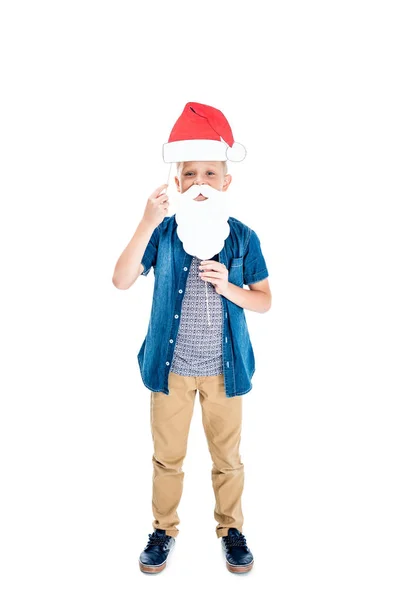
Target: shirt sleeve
[254,266]
[150,254]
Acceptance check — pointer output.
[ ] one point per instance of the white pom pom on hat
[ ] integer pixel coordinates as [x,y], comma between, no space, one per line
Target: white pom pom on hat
[202,132]
[236,153]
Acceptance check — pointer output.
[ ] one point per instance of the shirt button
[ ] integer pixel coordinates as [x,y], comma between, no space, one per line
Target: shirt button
[167,363]
[180,291]
[171,341]
[176,316]
[185,268]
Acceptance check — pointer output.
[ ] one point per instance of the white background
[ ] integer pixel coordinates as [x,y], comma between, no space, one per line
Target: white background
[90,92]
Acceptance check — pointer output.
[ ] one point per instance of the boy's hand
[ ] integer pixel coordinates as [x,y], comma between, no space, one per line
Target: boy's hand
[156,207]
[216,273]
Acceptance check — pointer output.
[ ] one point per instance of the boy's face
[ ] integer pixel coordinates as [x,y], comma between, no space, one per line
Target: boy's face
[202,172]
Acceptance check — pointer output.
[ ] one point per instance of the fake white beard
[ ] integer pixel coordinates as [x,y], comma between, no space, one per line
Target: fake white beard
[202,224]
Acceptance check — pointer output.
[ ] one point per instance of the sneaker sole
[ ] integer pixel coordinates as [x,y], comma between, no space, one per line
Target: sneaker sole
[239,568]
[152,568]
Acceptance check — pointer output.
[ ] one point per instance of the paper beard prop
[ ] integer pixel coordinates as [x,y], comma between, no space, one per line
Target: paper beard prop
[203,223]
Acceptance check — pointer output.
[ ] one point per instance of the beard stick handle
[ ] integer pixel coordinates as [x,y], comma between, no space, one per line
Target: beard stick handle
[170,191]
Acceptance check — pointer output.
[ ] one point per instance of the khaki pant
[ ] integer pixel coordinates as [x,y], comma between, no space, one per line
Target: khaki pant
[170,421]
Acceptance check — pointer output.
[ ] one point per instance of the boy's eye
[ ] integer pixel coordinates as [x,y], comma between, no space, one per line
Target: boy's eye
[189,173]
[210,172]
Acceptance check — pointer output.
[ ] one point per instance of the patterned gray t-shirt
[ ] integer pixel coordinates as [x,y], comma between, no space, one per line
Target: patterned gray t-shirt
[198,348]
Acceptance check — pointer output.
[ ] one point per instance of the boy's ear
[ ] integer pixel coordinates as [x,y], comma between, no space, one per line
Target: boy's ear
[177,183]
[227,182]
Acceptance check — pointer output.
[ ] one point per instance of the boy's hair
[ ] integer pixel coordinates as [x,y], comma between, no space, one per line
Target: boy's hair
[223,162]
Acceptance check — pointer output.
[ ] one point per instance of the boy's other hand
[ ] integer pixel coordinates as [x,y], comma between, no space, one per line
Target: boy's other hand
[216,273]
[156,207]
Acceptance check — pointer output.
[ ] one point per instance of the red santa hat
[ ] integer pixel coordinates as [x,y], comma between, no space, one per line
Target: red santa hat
[202,133]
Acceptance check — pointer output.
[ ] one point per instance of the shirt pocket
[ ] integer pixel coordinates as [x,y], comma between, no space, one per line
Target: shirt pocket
[235,274]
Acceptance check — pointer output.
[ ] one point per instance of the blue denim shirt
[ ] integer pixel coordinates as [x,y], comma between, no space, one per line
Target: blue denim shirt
[245,262]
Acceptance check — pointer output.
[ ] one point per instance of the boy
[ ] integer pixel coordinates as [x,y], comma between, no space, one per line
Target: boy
[197,337]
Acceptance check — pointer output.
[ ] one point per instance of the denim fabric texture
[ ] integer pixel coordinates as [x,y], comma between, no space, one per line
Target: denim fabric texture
[243,257]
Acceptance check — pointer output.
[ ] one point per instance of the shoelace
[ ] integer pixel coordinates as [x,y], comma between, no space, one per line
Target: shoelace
[240,540]
[156,540]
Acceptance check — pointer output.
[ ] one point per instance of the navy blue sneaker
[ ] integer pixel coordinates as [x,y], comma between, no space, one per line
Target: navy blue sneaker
[153,559]
[239,559]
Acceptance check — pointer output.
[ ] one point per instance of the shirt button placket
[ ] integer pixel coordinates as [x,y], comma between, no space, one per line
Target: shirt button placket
[171,341]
